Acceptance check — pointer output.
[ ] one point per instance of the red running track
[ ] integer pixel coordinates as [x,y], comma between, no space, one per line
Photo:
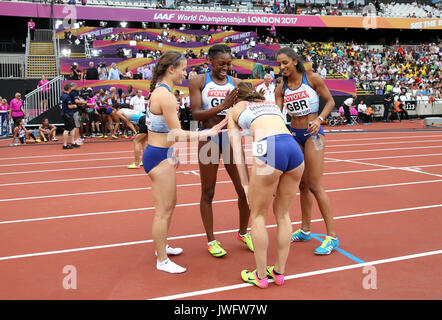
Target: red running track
[83,208]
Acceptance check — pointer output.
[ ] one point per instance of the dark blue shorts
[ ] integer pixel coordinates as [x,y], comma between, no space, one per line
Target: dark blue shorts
[221,139]
[301,135]
[283,153]
[152,156]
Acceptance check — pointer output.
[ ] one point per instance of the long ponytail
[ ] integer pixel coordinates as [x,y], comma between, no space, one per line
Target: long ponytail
[170,58]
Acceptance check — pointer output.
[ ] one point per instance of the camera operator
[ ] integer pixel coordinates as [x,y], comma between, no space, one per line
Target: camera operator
[75,72]
[80,103]
[85,94]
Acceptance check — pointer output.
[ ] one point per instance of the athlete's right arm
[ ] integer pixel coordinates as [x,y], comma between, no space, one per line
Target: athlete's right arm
[279,96]
[196,100]
[168,107]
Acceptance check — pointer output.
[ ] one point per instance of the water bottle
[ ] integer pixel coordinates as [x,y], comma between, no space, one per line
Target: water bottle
[317,141]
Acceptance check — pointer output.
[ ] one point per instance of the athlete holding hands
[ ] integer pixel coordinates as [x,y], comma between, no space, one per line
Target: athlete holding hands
[159,159]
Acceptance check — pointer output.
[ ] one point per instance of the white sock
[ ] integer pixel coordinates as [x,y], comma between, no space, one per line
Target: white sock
[209,243]
[242,235]
[172,251]
[308,232]
[169,266]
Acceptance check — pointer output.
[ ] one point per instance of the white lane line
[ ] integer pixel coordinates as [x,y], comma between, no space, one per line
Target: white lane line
[196,184]
[195,172]
[186,155]
[197,203]
[379,150]
[120,166]
[328,140]
[301,275]
[390,157]
[87,154]
[62,161]
[385,138]
[379,143]
[204,234]
[390,167]
[67,155]
[98,192]
[64,169]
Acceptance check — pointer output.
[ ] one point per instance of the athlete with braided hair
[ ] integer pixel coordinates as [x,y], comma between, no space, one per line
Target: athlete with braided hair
[211,94]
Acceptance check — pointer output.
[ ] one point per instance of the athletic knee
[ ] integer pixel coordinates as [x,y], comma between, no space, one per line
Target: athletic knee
[315,188]
[207,194]
[166,209]
[304,186]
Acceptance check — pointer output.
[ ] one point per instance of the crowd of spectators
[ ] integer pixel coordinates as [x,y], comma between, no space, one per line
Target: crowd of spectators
[414,69]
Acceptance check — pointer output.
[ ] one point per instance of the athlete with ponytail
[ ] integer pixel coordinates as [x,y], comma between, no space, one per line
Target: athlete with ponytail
[278,164]
[299,95]
[159,159]
[211,94]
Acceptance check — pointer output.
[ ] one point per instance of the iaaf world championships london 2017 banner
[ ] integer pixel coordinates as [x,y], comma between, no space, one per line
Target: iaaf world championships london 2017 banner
[66,12]
[152,34]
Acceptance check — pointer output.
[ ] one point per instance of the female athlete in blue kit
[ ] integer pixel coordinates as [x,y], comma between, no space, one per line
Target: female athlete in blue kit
[159,159]
[211,94]
[278,164]
[299,95]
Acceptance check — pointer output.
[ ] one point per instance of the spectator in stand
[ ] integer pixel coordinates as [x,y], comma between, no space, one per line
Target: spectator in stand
[363,113]
[16,112]
[147,72]
[127,73]
[91,73]
[45,89]
[232,72]
[192,73]
[267,88]
[31,28]
[47,131]
[205,68]
[102,72]
[4,117]
[322,71]
[114,73]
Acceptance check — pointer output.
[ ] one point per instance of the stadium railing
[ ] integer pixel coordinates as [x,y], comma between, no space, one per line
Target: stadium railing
[37,101]
[12,66]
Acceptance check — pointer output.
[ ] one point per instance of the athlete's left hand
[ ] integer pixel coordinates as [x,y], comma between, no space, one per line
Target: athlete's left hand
[314,128]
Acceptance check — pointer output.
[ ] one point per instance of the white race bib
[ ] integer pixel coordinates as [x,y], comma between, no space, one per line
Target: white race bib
[259,148]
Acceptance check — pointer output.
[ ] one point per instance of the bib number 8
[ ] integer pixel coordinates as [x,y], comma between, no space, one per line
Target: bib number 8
[259,148]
